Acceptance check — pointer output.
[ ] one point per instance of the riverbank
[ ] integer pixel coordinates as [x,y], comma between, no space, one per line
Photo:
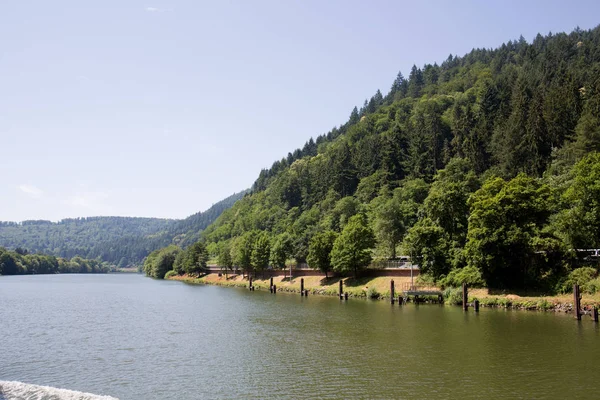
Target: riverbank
[379,288]
[316,285]
[532,301]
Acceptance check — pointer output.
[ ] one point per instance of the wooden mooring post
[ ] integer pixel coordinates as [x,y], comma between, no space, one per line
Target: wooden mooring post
[392,294]
[271,285]
[476,305]
[274,288]
[250,283]
[465,297]
[301,286]
[576,302]
[341,290]
[595,313]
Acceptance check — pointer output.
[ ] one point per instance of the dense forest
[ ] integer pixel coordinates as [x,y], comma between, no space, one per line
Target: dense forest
[483,167]
[122,241]
[20,262]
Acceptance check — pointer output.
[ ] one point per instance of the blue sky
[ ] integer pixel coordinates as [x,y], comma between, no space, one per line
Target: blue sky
[162,108]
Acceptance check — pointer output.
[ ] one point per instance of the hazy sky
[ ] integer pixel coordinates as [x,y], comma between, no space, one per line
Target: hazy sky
[161,108]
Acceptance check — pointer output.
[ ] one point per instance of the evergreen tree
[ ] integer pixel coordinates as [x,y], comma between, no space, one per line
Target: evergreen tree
[536,144]
[399,87]
[354,117]
[588,126]
[511,146]
[415,82]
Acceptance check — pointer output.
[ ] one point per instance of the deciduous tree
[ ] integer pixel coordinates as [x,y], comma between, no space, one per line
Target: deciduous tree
[319,251]
[352,249]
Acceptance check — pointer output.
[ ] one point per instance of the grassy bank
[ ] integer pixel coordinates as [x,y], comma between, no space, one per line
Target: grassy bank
[531,300]
[379,287]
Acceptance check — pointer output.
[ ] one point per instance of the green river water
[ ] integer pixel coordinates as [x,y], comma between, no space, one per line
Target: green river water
[132,337]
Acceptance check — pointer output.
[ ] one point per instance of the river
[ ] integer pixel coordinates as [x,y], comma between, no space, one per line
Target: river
[132,337]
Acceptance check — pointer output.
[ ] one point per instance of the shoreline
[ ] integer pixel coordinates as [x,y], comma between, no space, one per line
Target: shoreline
[358,288]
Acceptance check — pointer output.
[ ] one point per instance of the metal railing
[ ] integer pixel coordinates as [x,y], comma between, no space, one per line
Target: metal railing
[393,264]
[411,287]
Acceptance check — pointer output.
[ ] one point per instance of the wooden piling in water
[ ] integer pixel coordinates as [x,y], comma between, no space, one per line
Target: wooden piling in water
[301,286]
[392,294]
[465,297]
[595,313]
[341,293]
[476,304]
[274,288]
[576,302]
[346,296]
[250,282]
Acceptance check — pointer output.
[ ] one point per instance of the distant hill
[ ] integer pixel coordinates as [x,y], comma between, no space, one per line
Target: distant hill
[187,231]
[119,240]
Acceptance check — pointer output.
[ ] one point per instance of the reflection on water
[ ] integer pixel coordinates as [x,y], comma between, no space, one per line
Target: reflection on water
[136,338]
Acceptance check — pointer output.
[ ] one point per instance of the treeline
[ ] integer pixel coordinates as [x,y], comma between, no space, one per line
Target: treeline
[20,262]
[174,260]
[123,241]
[483,166]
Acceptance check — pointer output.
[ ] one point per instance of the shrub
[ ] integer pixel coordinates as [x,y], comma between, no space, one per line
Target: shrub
[544,305]
[504,302]
[469,275]
[372,293]
[489,301]
[170,274]
[579,276]
[453,296]
[592,286]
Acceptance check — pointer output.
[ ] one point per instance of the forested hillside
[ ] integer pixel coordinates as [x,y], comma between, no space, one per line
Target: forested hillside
[118,240]
[187,231]
[484,162]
